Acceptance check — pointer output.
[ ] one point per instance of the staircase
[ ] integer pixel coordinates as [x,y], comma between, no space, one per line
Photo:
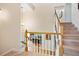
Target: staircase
[71,39]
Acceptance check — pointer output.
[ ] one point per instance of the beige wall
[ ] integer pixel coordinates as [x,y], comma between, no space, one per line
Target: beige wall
[75,15]
[10,27]
[41,20]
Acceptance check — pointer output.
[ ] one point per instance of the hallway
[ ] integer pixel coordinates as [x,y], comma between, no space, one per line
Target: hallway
[38,29]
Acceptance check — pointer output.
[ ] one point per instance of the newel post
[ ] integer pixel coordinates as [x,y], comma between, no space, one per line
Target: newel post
[26,35]
[62,42]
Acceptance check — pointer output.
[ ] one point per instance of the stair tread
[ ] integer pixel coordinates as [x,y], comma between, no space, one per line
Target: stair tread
[71,42]
[67,54]
[72,47]
[71,39]
[71,52]
[68,25]
[75,40]
[71,30]
[72,35]
[66,22]
[65,33]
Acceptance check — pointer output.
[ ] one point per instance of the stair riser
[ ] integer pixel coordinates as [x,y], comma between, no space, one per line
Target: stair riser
[69,25]
[70,37]
[71,34]
[76,38]
[70,28]
[73,40]
[71,43]
[71,31]
[71,52]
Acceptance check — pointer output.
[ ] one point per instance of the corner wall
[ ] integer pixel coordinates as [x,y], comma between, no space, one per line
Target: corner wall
[75,15]
[67,12]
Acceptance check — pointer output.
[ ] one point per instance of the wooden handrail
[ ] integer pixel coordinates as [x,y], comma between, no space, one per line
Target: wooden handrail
[61,49]
[57,16]
[44,33]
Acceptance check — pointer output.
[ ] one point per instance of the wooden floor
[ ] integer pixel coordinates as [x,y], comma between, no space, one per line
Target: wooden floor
[29,53]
